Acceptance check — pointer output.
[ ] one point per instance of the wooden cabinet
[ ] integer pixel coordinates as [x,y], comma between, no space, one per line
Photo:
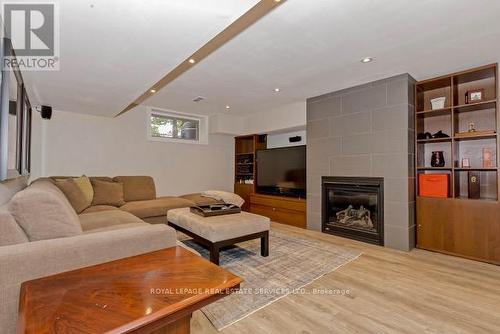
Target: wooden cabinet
[284,210]
[467,228]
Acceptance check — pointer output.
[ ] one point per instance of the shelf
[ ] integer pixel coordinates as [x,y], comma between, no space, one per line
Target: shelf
[435,112]
[244,163]
[457,224]
[475,106]
[434,140]
[249,153]
[435,83]
[480,169]
[461,198]
[476,137]
[434,168]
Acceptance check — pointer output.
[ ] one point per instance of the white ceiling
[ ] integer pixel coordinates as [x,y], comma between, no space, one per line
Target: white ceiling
[112,50]
[115,51]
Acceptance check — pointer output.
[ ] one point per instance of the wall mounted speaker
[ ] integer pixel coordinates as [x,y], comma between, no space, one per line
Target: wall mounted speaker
[295,139]
[46,112]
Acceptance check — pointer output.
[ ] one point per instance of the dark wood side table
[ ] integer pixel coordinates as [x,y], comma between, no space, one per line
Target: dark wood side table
[151,293]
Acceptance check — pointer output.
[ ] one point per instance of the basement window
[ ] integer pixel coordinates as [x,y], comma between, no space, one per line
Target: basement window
[176,127]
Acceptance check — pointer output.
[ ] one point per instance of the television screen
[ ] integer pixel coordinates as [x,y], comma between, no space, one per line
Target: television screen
[282,171]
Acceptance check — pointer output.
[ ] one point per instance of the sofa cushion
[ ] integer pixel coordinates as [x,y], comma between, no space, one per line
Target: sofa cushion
[156,207]
[101,178]
[156,220]
[107,193]
[198,199]
[10,232]
[10,187]
[98,208]
[43,212]
[74,194]
[116,227]
[97,220]
[137,188]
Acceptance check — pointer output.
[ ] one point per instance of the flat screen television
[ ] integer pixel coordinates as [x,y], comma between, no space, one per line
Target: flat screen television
[282,171]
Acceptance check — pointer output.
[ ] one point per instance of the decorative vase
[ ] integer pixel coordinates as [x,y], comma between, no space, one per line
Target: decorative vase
[438,103]
[437,159]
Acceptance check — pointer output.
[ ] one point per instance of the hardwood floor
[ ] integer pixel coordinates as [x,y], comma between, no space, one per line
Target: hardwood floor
[390,292]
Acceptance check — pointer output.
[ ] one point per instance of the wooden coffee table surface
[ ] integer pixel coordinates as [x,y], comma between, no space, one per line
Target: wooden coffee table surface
[140,294]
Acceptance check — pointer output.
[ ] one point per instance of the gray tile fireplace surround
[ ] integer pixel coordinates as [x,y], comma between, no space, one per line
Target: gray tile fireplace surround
[363,131]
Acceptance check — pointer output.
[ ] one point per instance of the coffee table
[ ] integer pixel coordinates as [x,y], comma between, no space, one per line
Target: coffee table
[218,232]
[151,293]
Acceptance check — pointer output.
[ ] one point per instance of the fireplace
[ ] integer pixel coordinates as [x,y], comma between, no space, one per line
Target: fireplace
[353,207]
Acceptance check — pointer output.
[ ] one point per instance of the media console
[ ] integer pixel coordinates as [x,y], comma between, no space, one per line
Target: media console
[284,210]
[280,209]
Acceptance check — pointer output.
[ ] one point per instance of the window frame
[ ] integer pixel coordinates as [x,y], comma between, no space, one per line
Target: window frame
[202,126]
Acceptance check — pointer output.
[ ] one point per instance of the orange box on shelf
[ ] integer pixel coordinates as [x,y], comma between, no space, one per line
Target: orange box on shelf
[433,185]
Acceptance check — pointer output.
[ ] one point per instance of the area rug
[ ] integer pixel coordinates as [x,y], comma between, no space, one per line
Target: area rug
[293,262]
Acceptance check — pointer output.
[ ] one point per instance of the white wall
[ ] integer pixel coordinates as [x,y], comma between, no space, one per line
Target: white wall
[284,118]
[289,116]
[76,144]
[227,124]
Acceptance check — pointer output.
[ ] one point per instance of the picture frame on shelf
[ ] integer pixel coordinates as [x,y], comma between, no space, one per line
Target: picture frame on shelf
[474,96]
[487,157]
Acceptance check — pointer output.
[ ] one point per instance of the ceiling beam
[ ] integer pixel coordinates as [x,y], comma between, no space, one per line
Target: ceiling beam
[242,23]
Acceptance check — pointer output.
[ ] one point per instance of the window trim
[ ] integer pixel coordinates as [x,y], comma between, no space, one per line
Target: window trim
[202,126]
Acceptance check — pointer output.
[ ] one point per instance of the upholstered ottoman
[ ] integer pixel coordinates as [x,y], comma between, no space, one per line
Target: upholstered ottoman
[217,232]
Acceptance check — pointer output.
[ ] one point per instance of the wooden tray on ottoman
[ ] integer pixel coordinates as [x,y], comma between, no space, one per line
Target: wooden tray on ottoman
[215,210]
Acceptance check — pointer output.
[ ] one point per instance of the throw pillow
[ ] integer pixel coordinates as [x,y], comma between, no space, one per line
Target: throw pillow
[84,183]
[107,193]
[43,212]
[74,194]
[224,196]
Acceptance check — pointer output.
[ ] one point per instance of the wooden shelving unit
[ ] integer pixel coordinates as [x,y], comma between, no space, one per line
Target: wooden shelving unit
[245,171]
[458,224]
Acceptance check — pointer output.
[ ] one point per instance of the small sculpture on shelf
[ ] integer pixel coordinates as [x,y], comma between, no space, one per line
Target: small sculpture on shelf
[427,135]
[465,163]
[472,127]
[440,134]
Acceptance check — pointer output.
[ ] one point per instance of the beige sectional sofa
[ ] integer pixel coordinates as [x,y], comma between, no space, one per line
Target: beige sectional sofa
[41,234]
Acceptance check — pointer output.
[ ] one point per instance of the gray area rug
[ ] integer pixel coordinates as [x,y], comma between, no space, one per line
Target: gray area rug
[293,262]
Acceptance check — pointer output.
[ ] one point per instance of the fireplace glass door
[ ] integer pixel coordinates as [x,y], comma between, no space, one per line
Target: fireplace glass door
[353,210]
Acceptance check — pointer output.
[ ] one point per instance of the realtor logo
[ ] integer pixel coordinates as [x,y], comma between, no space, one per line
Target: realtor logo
[33,29]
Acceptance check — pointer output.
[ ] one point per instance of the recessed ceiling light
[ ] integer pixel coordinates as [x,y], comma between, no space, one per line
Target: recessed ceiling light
[228,107]
[192,61]
[366,60]
[277,0]
[152,91]
[277,90]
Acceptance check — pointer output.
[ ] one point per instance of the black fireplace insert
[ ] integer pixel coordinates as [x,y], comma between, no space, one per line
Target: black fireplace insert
[353,207]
